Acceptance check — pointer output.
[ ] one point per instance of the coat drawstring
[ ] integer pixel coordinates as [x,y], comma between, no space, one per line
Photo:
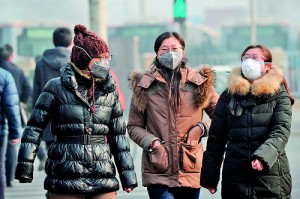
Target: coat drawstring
[93,107]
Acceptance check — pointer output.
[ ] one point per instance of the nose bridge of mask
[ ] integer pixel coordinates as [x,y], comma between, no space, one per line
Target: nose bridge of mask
[103,64]
[256,63]
[171,56]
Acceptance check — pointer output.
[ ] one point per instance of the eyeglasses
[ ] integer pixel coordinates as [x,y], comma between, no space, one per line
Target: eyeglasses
[254,57]
[105,58]
[174,49]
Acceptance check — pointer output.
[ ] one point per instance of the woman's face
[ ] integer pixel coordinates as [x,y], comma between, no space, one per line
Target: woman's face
[257,55]
[170,44]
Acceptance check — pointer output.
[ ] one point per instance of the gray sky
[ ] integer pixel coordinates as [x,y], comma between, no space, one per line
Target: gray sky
[120,12]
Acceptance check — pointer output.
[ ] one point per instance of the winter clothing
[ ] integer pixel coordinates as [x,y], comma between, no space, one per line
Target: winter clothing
[90,42]
[23,87]
[251,121]
[10,119]
[24,91]
[152,116]
[79,161]
[48,67]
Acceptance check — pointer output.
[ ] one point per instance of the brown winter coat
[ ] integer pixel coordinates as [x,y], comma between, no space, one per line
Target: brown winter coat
[151,116]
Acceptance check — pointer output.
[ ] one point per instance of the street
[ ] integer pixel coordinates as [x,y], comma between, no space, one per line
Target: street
[35,189]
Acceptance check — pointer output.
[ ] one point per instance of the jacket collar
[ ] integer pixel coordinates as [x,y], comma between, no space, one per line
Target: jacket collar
[187,76]
[203,78]
[268,84]
[69,79]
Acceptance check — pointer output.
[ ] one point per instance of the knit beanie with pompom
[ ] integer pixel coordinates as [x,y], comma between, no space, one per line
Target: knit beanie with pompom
[90,42]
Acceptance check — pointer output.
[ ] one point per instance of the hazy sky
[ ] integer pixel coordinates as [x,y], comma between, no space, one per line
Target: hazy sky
[39,11]
[119,12]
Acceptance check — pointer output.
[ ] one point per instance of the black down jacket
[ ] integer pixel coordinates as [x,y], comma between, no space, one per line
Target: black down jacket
[78,168]
[253,122]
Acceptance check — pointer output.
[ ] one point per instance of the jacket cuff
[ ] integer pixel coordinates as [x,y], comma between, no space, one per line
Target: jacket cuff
[146,142]
[13,136]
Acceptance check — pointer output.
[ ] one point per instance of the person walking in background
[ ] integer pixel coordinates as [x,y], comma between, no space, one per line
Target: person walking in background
[87,121]
[23,85]
[49,64]
[47,67]
[165,119]
[10,120]
[24,91]
[251,125]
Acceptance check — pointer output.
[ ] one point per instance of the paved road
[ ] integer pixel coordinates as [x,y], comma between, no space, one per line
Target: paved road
[35,189]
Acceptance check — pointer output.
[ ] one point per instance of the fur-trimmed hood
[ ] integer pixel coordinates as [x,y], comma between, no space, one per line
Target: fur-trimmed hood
[203,78]
[268,84]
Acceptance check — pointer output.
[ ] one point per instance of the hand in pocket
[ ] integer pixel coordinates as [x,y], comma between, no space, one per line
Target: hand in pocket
[191,157]
[159,159]
[194,136]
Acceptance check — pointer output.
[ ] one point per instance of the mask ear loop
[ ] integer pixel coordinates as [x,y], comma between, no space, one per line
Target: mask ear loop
[83,50]
[93,108]
[86,54]
[266,63]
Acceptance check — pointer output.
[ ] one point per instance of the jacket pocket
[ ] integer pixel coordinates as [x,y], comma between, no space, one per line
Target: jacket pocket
[159,160]
[191,157]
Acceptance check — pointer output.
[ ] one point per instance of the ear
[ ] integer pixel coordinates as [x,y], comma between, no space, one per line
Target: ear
[89,67]
[183,52]
[70,45]
[269,65]
[11,57]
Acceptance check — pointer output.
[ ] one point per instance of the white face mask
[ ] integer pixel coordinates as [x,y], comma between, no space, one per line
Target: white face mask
[252,69]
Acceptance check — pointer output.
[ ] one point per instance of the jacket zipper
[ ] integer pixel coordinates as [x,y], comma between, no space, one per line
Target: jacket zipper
[83,99]
[171,168]
[249,151]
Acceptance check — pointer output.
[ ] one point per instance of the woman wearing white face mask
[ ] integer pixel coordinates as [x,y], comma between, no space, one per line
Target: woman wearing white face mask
[251,125]
[165,119]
